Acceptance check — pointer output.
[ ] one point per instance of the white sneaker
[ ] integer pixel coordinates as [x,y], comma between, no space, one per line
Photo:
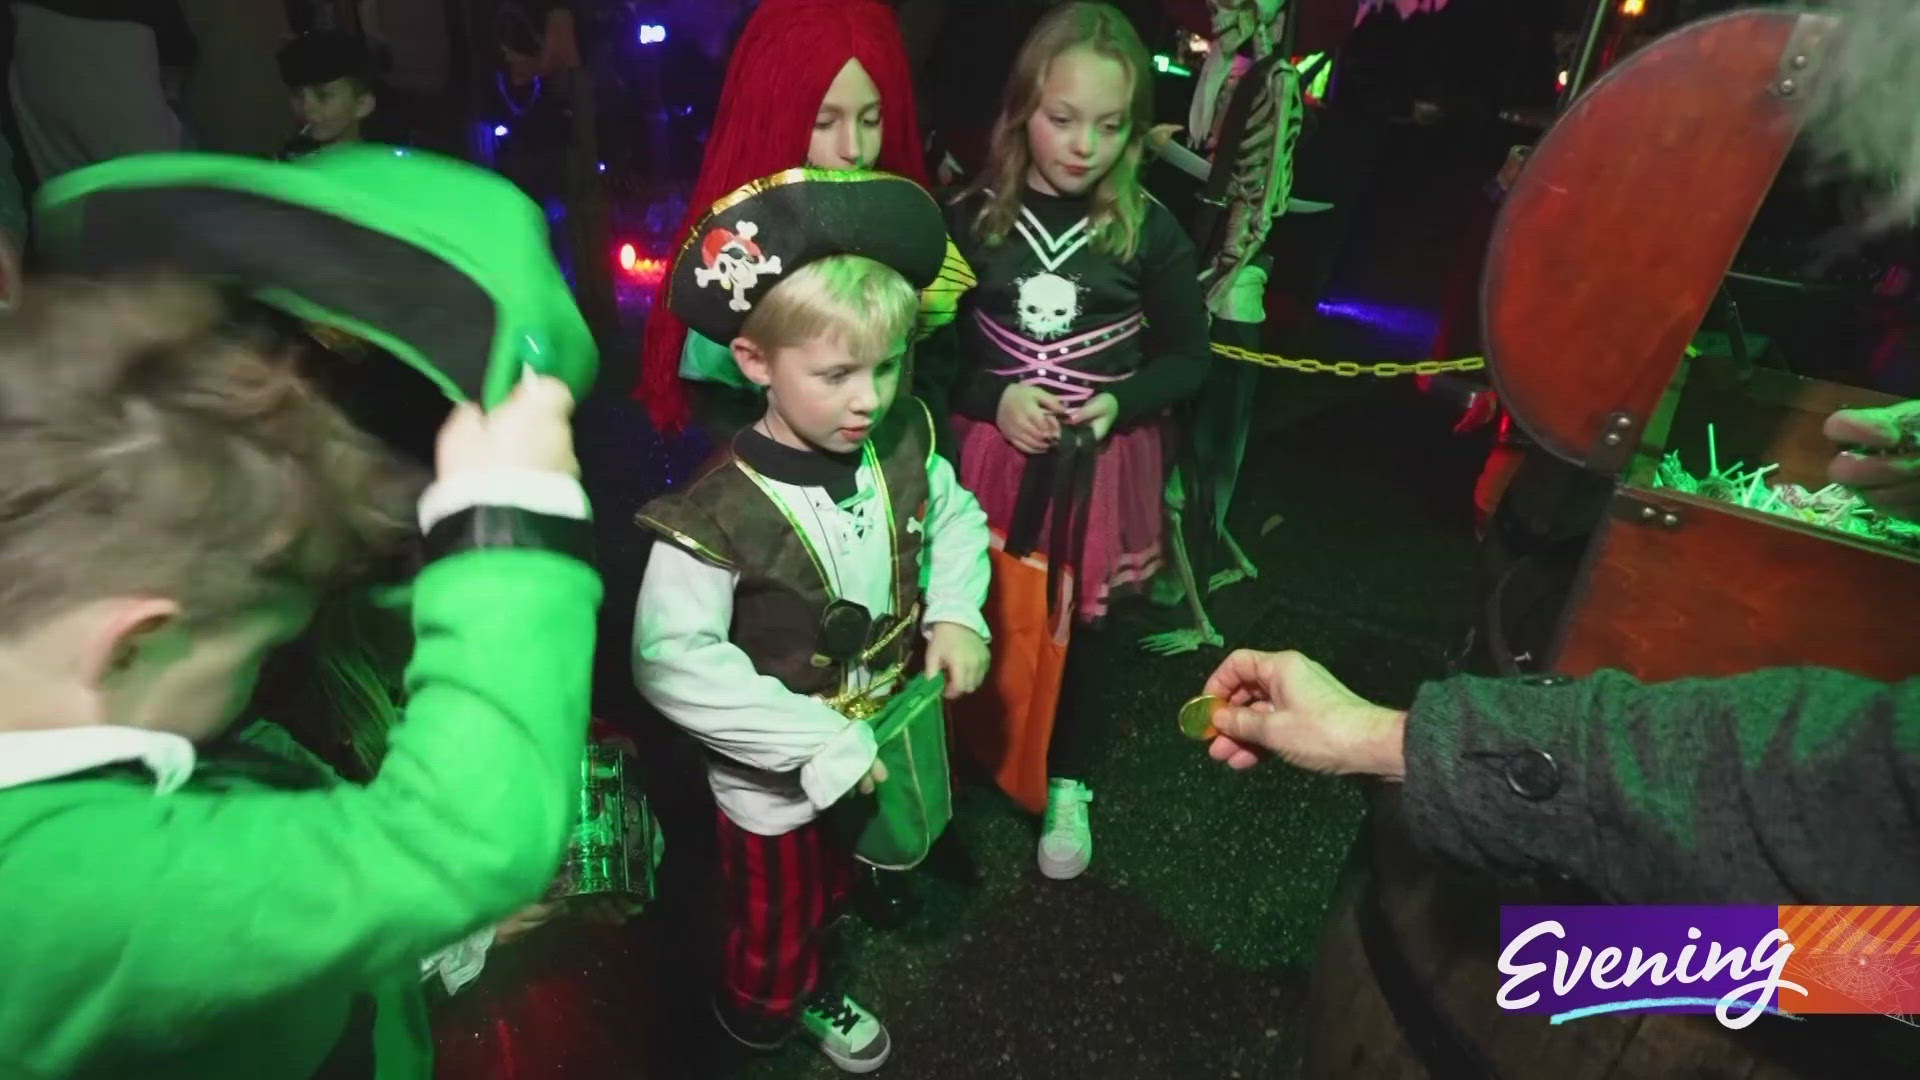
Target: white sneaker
[851,1037]
[1066,837]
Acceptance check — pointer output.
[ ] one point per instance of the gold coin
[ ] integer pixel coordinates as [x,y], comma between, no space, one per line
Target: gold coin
[1196,717]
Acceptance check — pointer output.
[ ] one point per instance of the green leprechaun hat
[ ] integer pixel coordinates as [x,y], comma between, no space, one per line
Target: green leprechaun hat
[441,263]
[757,236]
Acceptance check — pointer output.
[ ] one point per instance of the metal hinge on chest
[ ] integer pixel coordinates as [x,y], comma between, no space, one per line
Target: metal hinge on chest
[1805,55]
[1616,444]
[1629,507]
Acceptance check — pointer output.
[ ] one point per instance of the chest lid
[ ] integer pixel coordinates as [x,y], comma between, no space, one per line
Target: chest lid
[1615,238]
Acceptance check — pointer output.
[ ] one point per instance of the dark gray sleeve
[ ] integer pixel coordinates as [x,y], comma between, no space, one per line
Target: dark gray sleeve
[1792,785]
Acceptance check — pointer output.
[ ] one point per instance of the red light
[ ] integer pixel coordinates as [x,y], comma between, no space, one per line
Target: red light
[642,268]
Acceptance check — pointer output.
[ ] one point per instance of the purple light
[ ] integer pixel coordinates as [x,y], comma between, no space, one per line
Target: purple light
[1403,322]
[499,131]
[651,34]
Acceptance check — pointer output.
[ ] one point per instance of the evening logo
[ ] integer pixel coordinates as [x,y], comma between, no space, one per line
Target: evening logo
[1736,962]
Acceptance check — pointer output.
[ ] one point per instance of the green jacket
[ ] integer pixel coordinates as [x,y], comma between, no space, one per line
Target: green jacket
[226,929]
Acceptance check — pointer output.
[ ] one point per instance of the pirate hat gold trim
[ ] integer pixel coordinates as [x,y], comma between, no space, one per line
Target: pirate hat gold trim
[758,235]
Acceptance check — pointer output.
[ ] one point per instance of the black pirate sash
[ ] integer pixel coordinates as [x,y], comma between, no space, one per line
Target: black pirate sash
[1060,481]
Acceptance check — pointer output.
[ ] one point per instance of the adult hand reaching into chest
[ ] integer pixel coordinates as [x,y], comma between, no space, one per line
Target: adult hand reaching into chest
[1888,476]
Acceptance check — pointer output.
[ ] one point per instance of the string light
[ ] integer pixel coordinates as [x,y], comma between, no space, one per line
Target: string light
[1633,7]
[647,270]
[652,34]
[499,131]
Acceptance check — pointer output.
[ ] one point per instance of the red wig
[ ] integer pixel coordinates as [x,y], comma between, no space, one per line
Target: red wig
[785,60]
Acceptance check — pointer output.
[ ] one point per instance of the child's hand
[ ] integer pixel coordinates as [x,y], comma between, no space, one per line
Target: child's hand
[1096,415]
[520,922]
[959,653]
[1029,418]
[874,778]
[529,430]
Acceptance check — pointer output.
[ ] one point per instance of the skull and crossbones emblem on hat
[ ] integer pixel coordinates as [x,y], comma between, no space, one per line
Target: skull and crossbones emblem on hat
[734,261]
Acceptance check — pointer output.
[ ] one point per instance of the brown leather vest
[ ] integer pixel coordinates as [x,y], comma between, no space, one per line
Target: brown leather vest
[725,519]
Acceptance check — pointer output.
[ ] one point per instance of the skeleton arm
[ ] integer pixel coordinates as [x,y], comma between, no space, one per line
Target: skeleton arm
[1178,156]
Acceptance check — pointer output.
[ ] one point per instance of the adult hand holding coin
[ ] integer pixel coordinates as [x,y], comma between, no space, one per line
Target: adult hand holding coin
[1284,704]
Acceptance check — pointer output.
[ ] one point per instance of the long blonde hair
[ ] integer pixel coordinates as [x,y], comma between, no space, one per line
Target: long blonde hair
[1119,202]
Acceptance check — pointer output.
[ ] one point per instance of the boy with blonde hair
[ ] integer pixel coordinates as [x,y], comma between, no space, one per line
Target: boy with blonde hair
[781,601]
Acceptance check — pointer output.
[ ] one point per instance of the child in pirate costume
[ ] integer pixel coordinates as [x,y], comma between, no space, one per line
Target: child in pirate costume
[820,84]
[1086,326]
[178,498]
[793,583]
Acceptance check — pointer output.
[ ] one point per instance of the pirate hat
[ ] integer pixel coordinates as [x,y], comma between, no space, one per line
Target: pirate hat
[756,237]
[323,56]
[440,263]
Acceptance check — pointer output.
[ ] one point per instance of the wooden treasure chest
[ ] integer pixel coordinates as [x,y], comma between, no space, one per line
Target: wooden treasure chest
[1604,263]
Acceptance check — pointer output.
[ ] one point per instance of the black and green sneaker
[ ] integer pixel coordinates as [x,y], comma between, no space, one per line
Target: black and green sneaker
[851,1037]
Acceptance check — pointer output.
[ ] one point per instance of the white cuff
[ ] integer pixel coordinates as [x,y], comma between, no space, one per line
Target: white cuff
[839,765]
[960,614]
[532,490]
[460,963]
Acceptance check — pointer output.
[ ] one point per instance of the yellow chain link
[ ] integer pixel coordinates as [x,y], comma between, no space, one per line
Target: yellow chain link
[1349,368]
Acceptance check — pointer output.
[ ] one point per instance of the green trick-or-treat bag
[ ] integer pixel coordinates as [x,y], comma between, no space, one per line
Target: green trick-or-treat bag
[896,826]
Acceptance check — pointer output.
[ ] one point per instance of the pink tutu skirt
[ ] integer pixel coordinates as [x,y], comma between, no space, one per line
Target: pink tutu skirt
[1124,511]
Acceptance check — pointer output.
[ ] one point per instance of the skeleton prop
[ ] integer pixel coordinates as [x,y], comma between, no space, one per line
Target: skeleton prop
[1253,138]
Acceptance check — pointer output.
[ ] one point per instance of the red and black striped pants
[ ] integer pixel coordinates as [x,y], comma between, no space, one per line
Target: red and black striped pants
[780,894]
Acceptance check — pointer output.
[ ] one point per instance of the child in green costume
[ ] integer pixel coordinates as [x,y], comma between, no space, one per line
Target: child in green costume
[176,498]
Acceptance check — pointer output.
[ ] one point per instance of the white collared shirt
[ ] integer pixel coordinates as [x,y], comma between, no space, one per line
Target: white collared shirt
[27,757]
[780,758]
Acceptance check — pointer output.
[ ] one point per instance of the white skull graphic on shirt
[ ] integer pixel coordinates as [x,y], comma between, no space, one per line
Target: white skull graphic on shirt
[1048,305]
